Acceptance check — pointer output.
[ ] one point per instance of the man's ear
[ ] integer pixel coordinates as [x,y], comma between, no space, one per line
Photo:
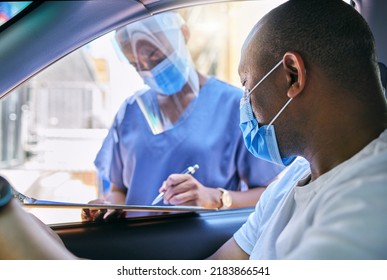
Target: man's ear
[185,30]
[295,73]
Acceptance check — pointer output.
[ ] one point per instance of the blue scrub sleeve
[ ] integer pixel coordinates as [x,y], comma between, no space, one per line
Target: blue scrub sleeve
[108,160]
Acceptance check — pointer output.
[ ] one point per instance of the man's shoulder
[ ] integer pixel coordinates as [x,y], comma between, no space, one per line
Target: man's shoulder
[370,161]
[362,177]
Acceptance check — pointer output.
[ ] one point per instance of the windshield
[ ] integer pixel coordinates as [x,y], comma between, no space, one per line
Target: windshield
[10,9]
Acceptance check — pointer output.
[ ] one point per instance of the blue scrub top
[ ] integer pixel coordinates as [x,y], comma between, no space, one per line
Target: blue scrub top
[133,158]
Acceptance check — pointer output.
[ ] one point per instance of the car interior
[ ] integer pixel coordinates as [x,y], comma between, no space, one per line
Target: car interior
[45,33]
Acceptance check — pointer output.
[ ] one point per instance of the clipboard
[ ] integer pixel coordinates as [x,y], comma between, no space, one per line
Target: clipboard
[123,207]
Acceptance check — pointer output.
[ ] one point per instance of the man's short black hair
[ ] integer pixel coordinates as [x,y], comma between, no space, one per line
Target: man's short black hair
[329,33]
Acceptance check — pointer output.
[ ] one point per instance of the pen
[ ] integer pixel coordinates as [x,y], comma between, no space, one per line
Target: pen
[190,170]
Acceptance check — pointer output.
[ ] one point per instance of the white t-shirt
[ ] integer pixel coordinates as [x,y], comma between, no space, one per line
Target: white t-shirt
[340,215]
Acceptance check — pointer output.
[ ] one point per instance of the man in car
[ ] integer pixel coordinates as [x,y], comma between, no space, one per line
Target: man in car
[180,119]
[324,99]
[324,62]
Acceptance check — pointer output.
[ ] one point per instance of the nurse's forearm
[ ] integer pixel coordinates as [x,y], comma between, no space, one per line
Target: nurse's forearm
[23,237]
[116,195]
[246,198]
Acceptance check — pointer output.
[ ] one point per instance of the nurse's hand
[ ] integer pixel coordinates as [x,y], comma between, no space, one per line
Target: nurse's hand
[183,189]
[98,215]
[115,196]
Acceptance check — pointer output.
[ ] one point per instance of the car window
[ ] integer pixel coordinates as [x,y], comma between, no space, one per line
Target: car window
[54,124]
[10,9]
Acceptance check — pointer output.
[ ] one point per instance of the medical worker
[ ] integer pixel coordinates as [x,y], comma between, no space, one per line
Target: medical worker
[180,119]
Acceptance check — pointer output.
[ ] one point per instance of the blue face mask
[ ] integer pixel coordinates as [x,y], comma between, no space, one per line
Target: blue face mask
[169,76]
[261,140]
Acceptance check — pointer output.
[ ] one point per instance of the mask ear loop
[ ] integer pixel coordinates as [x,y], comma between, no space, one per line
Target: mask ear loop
[264,77]
[283,108]
[286,104]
